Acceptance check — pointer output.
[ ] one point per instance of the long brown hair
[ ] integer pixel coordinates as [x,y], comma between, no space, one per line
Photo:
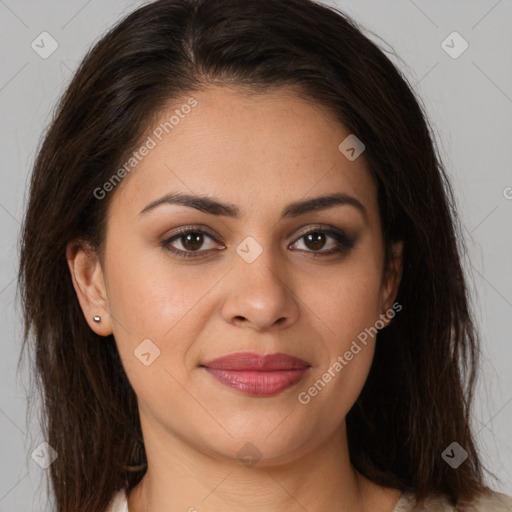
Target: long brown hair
[418,396]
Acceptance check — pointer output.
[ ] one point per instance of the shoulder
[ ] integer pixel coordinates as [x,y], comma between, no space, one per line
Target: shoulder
[118,502]
[495,502]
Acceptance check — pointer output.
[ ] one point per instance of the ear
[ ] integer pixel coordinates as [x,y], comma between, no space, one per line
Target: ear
[87,276]
[391,281]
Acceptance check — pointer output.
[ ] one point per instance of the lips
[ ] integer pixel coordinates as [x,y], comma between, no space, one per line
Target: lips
[251,361]
[255,374]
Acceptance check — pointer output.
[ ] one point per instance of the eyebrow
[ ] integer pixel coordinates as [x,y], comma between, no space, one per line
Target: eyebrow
[215,207]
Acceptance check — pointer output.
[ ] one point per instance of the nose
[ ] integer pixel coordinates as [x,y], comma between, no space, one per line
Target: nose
[260,294]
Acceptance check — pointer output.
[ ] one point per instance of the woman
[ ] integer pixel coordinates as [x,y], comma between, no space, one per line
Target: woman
[241,274]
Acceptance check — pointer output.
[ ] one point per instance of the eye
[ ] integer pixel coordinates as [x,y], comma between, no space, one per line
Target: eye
[316,239]
[191,241]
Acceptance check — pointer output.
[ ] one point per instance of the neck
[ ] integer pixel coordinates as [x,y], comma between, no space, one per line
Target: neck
[183,477]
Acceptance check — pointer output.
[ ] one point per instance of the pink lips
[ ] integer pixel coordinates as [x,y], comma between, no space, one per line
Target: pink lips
[257,375]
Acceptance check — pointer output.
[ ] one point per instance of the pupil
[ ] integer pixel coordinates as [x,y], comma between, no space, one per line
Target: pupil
[319,238]
[190,238]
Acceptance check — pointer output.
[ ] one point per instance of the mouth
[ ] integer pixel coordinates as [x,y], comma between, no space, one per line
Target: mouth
[257,375]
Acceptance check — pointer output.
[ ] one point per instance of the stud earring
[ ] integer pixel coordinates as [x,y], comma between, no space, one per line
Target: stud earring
[97,319]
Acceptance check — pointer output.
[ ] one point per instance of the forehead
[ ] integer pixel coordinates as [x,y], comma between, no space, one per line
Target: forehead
[249,149]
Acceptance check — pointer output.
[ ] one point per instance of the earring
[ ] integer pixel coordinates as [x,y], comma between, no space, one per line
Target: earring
[97,319]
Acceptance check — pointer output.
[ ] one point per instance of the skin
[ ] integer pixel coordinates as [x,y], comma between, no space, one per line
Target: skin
[259,153]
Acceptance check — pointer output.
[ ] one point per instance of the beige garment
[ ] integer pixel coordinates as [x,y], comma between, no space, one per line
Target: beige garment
[498,502]
[407,503]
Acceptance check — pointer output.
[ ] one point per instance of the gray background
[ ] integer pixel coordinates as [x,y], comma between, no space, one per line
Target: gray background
[469,102]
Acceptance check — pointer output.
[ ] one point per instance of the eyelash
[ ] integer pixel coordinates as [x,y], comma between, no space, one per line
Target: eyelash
[343,239]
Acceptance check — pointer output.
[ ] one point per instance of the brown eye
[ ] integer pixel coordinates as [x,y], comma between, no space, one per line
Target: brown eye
[191,241]
[316,240]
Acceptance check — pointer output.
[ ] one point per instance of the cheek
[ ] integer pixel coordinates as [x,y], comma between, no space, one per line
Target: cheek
[350,314]
[347,299]
[348,309]
[149,299]
[348,305]
[149,295]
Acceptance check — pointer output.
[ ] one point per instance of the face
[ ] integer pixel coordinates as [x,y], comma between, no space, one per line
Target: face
[181,286]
